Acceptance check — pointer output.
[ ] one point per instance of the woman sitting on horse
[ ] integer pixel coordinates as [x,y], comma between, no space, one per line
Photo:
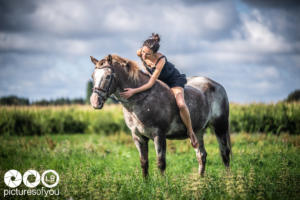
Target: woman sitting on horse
[159,68]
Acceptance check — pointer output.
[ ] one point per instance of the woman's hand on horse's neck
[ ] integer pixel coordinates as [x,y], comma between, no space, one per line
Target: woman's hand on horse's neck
[128,92]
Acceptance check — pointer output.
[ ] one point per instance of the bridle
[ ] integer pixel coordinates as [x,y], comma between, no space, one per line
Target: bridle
[104,92]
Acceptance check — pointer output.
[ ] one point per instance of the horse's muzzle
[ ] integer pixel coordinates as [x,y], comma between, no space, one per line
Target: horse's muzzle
[96,101]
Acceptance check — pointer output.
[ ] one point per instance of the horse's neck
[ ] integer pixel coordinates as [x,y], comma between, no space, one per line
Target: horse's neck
[127,82]
[136,102]
[124,81]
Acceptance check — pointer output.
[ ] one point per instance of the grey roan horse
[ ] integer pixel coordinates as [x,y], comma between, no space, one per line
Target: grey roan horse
[154,114]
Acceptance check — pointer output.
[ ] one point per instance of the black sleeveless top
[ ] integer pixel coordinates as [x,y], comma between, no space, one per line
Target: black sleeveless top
[169,74]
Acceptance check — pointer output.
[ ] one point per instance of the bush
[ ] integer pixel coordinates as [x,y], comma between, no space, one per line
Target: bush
[270,118]
[294,96]
[14,100]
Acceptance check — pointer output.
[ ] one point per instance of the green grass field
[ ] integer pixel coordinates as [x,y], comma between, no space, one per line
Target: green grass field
[107,167]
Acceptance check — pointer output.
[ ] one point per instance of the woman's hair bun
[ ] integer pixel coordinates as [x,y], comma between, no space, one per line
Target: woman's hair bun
[156,37]
[152,42]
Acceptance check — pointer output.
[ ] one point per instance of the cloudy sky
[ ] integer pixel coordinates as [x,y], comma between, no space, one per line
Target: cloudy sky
[251,47]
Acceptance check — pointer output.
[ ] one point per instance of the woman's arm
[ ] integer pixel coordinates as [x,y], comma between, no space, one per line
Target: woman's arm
[131,91]
[152,79]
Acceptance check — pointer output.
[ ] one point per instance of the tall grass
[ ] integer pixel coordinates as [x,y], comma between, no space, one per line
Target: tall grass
[270,118]
[63,119]
[34,120]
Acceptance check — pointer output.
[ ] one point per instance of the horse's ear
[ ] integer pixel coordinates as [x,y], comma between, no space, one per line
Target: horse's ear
[109,59]
[94,60]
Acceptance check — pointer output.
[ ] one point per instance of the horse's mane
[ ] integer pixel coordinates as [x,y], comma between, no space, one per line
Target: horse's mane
[131,66]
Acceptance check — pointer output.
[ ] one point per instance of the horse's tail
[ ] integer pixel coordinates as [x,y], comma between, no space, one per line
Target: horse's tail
[230,147]
[229,142]
[221,127]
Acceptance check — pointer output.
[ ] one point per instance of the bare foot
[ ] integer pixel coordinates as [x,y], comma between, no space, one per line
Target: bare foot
[193,140]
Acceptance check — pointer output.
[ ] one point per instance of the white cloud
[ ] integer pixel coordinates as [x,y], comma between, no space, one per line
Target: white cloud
[241,50]
[119,19]
[267,72]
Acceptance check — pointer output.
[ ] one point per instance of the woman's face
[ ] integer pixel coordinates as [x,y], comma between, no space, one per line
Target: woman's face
[146,52]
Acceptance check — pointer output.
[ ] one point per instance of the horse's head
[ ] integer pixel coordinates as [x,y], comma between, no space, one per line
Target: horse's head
[104,81]
[112,74]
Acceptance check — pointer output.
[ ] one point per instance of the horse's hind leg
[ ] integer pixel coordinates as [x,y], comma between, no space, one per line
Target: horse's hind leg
[201,153]
[141,144]
[221,128]
[160,147]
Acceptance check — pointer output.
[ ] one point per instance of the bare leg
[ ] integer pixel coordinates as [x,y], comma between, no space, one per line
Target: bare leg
[141,144]
[185,114]
[160,147]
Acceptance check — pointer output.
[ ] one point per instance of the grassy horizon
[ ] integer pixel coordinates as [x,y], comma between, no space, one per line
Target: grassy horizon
[94,166]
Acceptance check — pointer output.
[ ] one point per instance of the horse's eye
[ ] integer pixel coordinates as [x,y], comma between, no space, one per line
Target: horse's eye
[108,77]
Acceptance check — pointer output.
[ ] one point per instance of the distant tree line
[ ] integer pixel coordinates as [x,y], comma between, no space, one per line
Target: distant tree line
[14,100]
[59,101]
[19,101]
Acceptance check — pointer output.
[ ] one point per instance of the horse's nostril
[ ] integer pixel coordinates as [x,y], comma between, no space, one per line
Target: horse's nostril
[96,101]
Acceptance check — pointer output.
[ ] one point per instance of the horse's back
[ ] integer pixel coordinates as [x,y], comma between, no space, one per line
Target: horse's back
[207,102]
[214,93]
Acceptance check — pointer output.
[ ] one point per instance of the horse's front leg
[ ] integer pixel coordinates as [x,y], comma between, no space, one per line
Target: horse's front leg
[141,144]
[160,147]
